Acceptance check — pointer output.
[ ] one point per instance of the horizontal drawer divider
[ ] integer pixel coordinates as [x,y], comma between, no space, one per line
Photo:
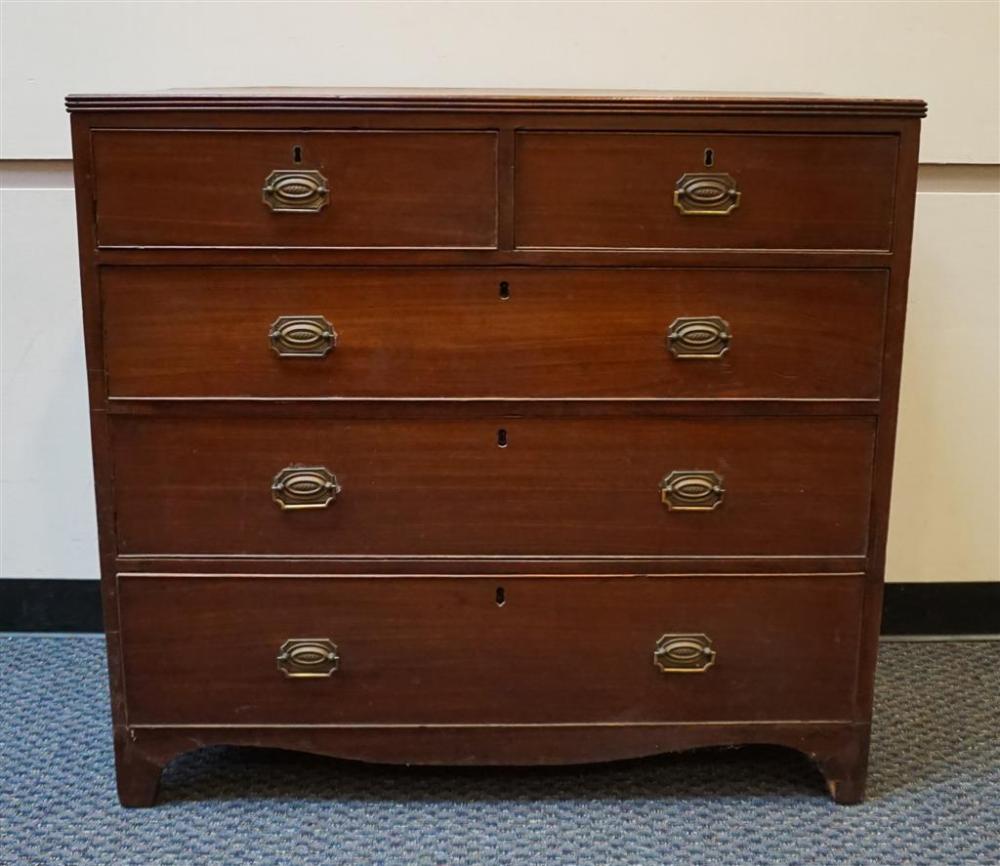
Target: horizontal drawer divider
[492,257]
[463,566]
[500,557]
[499,725]
[469,573]
[416,407]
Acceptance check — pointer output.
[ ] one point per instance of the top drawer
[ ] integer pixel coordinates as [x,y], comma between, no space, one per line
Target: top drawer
[629,190]
[296,189]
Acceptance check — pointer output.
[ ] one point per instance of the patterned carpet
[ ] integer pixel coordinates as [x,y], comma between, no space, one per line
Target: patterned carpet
[934,791]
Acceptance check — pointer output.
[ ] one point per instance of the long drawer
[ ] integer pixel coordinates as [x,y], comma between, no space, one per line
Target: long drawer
[351,188]
[314,332]
[517,486]
[631,190]
[403,650]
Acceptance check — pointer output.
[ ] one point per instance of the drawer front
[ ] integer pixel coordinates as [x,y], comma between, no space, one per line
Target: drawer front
[518,486]
[382,189]
[205,650]
[654,190]
[487,333]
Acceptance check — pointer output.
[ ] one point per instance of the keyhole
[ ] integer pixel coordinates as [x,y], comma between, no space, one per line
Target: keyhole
[504,291]
[709,156]
[297,153]
[501,596]
[502,438]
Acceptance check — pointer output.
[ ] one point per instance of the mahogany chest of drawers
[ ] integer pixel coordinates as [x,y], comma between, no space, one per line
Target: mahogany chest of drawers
[480,428]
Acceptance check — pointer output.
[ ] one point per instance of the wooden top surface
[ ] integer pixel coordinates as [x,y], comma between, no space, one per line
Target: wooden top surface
[445,99]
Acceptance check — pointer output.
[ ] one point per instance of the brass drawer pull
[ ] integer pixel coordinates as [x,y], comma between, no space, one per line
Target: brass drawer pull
[692,490]
[302,336]
[308,657]
[706,194]
[299,487]
[684,653]
[698,337]
[296,191]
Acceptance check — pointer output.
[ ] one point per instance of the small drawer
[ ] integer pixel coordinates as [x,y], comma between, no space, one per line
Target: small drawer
[295,189]
[705,190]
[315,332]
[789,486]
[227,650]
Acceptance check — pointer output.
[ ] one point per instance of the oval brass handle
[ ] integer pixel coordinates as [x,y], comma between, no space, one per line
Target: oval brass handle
[706,194]
[296,191]
[698,337]
[308,657]
[684,653]
[299,487]
[302,336]
[692,490]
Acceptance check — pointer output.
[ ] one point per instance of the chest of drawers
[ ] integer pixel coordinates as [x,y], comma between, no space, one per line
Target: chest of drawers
[481,428]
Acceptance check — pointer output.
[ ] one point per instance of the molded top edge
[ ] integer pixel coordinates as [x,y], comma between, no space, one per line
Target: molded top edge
[443,99]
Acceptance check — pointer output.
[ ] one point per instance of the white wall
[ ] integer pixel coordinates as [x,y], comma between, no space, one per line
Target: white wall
[49,528]
[946,509]
[944,52]
[945,518]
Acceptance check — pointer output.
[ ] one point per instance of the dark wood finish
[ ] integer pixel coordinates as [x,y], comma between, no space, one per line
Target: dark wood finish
[504,256]
[546,187]
[547,101]
[138,775]
[794,486]
[493,333]
[387,188]
[496,408]
[442,651]
[617,189]
[838,749]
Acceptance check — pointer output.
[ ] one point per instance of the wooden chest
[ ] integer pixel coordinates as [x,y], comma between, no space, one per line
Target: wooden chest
[480,428]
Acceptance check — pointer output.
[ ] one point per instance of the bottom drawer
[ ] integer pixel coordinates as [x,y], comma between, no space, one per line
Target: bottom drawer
[465,650]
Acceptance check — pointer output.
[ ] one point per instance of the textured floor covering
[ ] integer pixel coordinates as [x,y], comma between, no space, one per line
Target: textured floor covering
[934,790]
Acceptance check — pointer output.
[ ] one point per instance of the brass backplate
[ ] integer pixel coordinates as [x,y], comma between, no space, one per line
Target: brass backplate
[697,337]
[308,657]
[684,653]
[296,191]
[302,336]
[706,194]
[298,487]
[692,490]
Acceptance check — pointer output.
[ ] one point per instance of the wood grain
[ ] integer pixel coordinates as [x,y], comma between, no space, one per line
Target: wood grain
[437,196]
[387,189]
[455,100]
[201,650]
[175,332]
[616,190]
[561,486]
